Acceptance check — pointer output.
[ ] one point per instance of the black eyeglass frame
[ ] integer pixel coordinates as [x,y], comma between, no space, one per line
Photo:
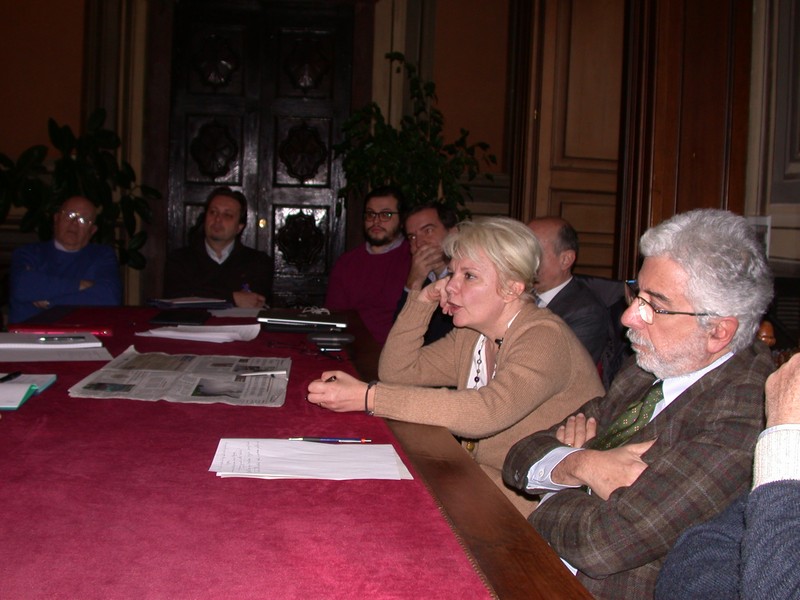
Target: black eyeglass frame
[632,293]
[384,216]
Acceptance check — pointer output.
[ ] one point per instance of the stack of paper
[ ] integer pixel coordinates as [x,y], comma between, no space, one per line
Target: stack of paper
[15,392]
[31,347]
[288,459]
[201,333]
[31,341]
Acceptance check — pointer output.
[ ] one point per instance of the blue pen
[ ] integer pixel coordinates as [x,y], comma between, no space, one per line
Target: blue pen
[331,440]
[246,287]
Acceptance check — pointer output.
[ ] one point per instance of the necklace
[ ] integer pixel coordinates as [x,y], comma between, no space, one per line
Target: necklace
[479,360]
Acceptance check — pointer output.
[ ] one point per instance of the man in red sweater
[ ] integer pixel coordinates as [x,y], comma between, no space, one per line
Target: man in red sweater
[369,279]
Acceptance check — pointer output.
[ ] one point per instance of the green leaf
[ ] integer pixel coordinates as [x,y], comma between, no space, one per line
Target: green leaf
[137,241]
[135,260]
[96,120]
[142,208]
[126,174]
[150,193]
[31,160]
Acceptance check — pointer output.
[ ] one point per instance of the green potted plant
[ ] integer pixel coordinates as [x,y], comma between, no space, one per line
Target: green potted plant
[413,156]
[87,166]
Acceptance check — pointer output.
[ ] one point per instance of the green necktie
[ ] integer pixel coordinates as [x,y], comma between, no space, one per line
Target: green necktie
[636,416]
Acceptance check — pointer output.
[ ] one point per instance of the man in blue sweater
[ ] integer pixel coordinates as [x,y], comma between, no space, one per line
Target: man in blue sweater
[66,270]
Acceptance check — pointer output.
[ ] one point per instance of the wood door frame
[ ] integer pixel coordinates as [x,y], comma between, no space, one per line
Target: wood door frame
[666,154]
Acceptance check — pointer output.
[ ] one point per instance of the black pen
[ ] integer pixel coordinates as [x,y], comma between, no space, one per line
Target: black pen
[10,376]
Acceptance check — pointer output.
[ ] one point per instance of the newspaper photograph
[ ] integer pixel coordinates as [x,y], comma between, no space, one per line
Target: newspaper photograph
[239,380]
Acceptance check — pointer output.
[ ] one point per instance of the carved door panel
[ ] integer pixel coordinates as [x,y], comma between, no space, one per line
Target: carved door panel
[259,93]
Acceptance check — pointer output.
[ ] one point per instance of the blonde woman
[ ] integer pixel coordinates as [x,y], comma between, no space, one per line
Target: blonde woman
[515,368]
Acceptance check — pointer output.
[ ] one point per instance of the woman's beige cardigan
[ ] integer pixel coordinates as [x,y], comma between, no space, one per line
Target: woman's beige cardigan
[543,374]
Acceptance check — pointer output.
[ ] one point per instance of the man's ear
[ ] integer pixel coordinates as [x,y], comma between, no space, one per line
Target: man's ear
[721,333]
[241,227]
[566,259]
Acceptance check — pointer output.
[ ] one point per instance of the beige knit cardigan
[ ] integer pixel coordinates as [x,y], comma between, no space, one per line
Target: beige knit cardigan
[543,374]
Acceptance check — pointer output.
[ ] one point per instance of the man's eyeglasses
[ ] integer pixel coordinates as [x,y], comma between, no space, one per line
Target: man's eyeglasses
[646,310]
[75,216]
[384,215]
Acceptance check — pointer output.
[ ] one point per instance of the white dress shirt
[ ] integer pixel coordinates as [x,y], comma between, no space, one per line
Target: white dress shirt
[545,298]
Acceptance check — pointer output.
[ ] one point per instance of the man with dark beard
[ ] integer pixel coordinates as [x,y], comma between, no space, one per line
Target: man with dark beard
[671,444]
[369,279]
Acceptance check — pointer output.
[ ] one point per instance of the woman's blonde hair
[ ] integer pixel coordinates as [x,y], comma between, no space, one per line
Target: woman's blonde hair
[508,244]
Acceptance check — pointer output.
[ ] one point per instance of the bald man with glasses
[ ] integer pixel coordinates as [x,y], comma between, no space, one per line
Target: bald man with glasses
[671,443]
[67,270]
[370,278]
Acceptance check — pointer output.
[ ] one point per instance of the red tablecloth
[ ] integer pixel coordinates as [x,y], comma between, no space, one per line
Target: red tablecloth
[113,498]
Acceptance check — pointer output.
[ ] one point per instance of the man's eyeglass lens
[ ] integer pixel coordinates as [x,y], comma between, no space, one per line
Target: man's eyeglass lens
[73,216]
[384,215]
[647,311]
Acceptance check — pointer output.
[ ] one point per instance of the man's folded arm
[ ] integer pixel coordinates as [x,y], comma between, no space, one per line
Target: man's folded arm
[640,523]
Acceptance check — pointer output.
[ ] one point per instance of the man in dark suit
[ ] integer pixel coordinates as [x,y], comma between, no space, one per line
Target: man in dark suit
[426,226]
[218,265]
[562,293]
[692,405]
[752,549]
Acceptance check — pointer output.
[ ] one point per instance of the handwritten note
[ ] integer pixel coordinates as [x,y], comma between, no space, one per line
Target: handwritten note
[282,459]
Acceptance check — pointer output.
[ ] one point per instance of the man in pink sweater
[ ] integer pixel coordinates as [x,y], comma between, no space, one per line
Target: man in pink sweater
[369,279]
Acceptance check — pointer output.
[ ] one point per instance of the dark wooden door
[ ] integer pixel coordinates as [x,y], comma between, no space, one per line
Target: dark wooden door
[260,90]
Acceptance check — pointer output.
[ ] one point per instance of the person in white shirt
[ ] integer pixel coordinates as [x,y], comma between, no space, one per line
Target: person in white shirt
[567,296]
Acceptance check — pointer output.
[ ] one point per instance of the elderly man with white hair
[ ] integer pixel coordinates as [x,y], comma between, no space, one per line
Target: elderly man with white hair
[671,443]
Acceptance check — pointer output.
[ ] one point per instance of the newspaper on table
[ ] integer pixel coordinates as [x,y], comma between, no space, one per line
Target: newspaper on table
[189,378]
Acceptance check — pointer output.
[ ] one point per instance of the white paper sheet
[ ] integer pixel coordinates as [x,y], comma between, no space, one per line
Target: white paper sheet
[282,459]
[55,355]
[202,333]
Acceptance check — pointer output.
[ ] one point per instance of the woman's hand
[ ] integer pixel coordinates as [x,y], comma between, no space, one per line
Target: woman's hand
[337,391]
[435,292]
